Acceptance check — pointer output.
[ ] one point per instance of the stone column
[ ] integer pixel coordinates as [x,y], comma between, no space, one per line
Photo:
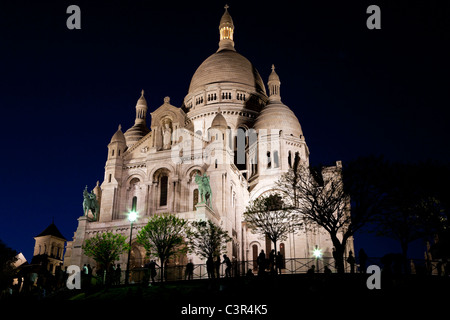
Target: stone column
[146,204]
[80,235]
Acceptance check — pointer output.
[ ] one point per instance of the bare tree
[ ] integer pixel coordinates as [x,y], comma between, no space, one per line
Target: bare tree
[320,199]
[268,216]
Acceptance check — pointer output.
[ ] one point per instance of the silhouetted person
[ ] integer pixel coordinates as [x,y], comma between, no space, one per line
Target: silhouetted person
[235,266]
[351,261]
[227,262]
[249,273]
[146,277]
[189,270]
[152,267]
[326,270]
[362,260]
[210,267]
[272,261]
[118,275]
[335,258]
[261,263]
[217,266]
[446,267]
[311,270]
[279,262]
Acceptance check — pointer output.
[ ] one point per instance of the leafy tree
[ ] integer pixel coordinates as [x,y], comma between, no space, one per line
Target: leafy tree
[404,201]
[412,209]
[268,215]
[207,239]
[7,258]
[163,237]
[364,180]
[105,248]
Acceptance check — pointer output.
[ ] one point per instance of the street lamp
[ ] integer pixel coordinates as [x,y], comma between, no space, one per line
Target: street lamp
[132,216]
[317,253]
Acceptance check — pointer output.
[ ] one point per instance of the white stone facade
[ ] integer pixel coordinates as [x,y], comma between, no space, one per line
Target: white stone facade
[228,128]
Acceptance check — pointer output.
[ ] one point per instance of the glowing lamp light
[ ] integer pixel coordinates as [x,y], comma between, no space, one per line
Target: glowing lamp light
[317,253]
[132,216]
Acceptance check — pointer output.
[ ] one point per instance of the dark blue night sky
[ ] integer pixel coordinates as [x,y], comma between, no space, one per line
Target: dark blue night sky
[64,92]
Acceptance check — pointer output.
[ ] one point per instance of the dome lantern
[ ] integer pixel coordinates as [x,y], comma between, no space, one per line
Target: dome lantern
[139,129]
[226,31]
[274,84]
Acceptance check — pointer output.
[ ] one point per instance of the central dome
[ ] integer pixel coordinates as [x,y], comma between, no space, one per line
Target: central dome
[227,66]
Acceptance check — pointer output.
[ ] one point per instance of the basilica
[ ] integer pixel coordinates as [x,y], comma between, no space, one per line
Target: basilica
[230,128]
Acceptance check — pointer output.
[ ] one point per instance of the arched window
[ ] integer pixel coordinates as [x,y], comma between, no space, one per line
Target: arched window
[239,149]
[164,183]
[255,256]
[290,159]
[112,152]
[275,159]
[134,204]
[194,199]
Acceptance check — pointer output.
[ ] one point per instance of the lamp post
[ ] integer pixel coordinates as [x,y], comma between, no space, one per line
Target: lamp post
[132,216]
[317,253]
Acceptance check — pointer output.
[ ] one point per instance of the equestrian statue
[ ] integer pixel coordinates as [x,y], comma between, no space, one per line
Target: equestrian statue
[90,202]
[204,189]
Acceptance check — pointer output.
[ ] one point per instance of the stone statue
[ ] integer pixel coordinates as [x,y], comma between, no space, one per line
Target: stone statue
[204,189]
[90,203]
[167,136]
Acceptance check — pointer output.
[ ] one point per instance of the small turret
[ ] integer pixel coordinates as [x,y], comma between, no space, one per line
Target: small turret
[117,145]
[274,84]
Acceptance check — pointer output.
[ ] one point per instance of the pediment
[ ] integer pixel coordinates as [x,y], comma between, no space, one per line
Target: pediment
[168,111]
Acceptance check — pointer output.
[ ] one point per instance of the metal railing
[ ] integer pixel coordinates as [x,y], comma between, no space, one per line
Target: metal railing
[142,274]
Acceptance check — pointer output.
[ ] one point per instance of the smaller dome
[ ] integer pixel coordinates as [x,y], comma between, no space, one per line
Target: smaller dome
[278,116]
[273,75]
[118,136]
[135,133]
[219,121]
[141,101]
